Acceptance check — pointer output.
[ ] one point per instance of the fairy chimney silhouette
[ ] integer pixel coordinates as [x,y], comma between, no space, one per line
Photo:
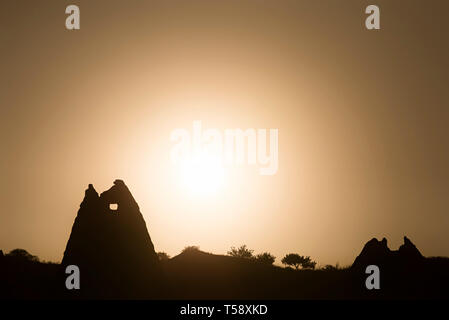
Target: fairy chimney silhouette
[111,245]
[378,253]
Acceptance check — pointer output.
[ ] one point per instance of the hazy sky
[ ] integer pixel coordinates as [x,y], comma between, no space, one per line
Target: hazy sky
[362,118]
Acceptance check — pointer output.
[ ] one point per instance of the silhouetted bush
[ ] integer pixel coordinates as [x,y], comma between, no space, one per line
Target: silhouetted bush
[163,256]
[330,267]
[308,263]
[191,249]
[295,260]
[241,252]
[22,254]
[266,258]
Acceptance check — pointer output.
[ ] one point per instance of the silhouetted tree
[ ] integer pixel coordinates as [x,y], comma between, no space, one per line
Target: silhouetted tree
[295,260]
[191,249]
[292,259]
[265,257]
[22,254]
[241,252]
[308,263]
[163,256]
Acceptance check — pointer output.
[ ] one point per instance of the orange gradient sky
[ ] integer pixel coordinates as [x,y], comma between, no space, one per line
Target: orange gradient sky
[362,118]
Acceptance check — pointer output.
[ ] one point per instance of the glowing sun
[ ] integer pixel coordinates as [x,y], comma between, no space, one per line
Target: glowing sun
[202,174]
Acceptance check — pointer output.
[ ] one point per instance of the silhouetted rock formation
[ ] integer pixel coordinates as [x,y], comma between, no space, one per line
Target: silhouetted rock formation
[409,250]
[404,273]
[112,248]
[377,253]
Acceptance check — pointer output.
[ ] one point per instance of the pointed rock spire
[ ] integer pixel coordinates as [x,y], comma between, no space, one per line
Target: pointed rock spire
[111,246]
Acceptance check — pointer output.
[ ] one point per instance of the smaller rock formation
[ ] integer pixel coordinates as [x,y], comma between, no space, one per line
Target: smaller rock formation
[409,250]
[377,253]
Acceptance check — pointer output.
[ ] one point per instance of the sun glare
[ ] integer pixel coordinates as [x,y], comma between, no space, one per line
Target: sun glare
[202,174]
